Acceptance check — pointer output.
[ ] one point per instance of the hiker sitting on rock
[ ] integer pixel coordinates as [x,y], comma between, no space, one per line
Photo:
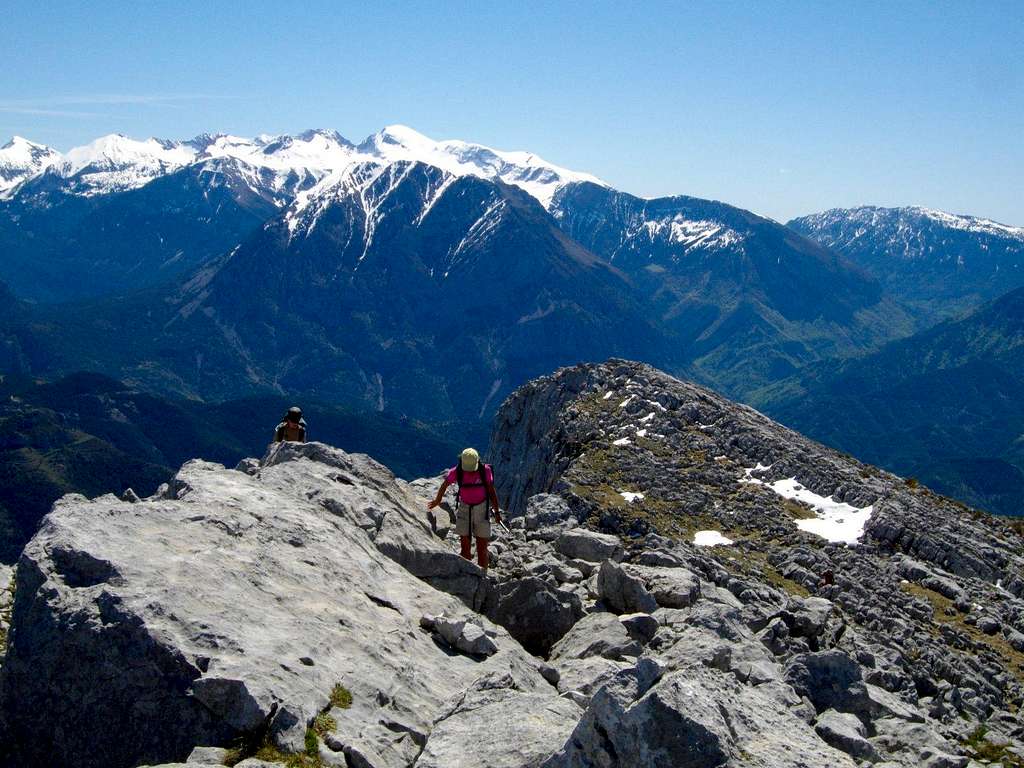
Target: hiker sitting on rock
[292,429]
[475,481]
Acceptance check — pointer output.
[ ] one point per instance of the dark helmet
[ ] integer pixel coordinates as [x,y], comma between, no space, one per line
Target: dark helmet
[294,413]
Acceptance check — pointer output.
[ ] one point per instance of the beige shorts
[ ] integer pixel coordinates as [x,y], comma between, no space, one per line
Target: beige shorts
[478,517]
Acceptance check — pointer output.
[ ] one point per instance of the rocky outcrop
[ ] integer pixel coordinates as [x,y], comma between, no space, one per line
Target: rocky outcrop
[232,604]
[303,601]
[864,595]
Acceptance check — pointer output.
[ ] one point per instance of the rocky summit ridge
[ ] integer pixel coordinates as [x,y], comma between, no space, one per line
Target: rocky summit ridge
[684,582]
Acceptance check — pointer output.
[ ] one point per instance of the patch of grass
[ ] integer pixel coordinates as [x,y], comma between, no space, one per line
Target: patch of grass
[324,724]
[987,752]
[312,743]
[341,697]
[596,405]
[777,580]
[754,564]
[655,447]
[310,758]
[262,748]
[603,495]
[912,482]
[798,511]
[943,612]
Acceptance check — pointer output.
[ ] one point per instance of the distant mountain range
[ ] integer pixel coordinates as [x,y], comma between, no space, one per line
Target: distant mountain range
[945,405]
[119,214]
[936,264]
[427,279]
[746,299]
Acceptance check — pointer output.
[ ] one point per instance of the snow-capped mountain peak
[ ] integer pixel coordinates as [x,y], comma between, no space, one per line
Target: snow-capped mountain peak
[313,150]
[859,222]
[969,223]
[116,162]
[926,254]
[118,151]
[21,159]
[24,147]
[523,169]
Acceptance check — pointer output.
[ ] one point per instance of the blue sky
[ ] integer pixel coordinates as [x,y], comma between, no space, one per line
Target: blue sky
[783,108]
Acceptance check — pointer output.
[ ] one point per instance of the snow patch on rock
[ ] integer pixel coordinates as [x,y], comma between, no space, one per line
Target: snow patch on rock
[711,539]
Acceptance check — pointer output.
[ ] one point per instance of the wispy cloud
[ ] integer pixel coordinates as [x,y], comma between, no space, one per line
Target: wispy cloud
[18,110]
[57,106]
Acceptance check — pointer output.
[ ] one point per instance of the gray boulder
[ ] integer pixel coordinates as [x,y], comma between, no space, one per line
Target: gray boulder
[847,733]
[466,635]
[911,743]
[693,717]
[249,466]
[627,588]
[642,627]
[547,515]
[833,680]
[208,755]
[747,659]
[622,591]
[599,634]
[587,675]
[830,679]
[671,587]
[506,728]
[1014,638]
[989,625]
[808,617]
[594,547]
[534,612]
[944,586]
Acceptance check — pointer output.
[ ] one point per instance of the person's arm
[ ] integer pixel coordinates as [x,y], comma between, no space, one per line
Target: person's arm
[302,435]
[494,498]
[279,434]
[440,495]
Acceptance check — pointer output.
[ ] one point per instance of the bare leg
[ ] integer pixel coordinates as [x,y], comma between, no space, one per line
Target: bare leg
[481,552]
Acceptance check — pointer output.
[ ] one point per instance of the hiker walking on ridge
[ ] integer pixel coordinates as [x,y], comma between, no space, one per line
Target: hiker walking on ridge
[475,481]
[292,429]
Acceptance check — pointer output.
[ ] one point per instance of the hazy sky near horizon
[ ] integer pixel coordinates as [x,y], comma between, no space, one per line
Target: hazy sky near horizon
[784,108]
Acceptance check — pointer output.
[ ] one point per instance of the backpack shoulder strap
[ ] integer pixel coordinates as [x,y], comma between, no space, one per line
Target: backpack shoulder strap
[487,484]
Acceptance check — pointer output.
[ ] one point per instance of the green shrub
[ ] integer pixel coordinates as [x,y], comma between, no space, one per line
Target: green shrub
[324,724]
[312,743]
[341,697]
